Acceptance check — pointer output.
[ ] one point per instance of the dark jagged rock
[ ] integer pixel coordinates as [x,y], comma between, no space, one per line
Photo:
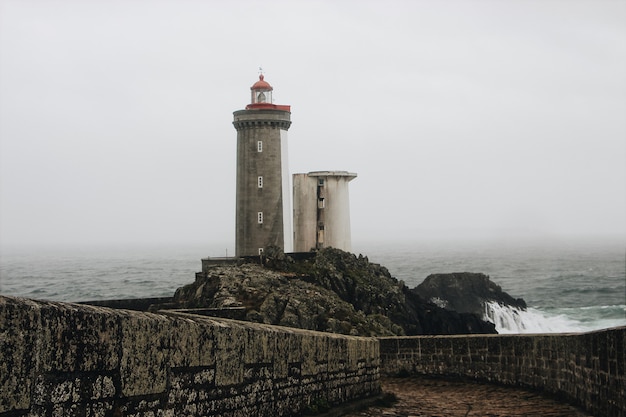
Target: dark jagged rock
[465,292]
[370,288]
[333,291]
[279,298]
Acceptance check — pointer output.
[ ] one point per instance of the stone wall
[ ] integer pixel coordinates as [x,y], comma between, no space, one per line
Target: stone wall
[585,369]
[60,359]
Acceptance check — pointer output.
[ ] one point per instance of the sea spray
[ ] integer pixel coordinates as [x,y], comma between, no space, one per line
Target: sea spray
[512,320]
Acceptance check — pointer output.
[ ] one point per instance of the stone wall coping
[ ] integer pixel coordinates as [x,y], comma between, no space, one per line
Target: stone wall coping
[225,322]
[500,336]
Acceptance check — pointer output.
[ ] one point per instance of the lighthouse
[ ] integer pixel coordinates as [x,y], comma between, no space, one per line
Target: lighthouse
[263,193]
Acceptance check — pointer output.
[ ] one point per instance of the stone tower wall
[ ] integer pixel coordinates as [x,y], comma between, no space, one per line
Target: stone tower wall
[269,127]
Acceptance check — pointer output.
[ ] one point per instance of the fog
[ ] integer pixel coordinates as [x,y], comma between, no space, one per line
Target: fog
[468,120]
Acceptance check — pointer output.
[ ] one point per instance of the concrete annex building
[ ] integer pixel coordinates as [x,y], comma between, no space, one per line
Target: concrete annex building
[321,210]
[321,215]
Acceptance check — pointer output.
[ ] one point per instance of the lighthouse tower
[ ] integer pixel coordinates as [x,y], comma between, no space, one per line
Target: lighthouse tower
[263,209]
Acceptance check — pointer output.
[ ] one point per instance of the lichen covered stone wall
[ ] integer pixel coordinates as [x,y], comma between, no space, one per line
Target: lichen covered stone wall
[585,369]
[60,359]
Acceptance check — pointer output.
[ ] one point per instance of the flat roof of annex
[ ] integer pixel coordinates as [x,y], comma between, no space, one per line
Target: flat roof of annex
[331,174]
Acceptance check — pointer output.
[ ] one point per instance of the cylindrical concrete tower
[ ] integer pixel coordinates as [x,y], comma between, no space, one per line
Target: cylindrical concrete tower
[322,210]
[263,215]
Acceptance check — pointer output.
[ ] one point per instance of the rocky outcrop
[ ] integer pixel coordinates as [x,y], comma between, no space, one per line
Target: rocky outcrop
[278,298]
[334,291]
[465,292]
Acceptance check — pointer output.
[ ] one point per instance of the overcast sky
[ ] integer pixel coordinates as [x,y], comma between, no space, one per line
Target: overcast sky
[472,119]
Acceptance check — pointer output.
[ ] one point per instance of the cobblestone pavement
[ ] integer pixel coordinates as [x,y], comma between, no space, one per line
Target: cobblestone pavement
[422,396]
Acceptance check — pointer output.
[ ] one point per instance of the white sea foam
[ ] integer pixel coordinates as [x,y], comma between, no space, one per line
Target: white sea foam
[513,320]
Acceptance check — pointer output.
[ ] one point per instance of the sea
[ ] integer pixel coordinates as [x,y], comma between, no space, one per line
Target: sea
[569,286]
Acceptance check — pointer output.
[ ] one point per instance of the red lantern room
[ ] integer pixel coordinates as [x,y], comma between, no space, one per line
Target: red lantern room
[261,96]
[261,91]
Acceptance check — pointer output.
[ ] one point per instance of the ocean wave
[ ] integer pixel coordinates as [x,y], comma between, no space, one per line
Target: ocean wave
[511,320]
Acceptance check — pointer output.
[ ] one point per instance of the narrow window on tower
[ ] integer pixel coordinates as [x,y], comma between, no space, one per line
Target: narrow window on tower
[259,146]
[259,217]
[320,182]
[260,182]
[321,203]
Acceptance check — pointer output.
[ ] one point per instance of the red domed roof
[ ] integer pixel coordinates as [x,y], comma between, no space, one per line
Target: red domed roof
[261,85]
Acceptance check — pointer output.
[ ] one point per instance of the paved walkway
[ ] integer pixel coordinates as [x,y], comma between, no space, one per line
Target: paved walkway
[422,396]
